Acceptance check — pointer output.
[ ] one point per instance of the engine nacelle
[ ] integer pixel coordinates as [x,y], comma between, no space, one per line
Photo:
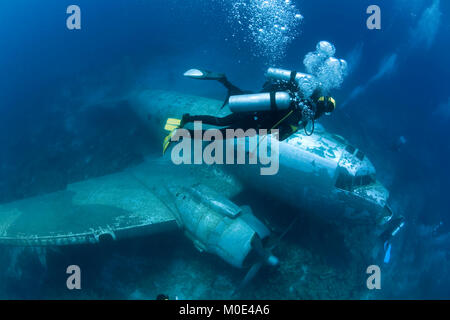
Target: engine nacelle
[217,225]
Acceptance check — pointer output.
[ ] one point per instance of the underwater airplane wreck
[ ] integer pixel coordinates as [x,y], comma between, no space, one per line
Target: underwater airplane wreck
[322,173]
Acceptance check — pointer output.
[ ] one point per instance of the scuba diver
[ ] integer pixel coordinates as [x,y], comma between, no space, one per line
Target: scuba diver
[281,105]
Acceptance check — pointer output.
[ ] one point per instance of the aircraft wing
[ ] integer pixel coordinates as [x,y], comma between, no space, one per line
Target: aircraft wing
[121,205]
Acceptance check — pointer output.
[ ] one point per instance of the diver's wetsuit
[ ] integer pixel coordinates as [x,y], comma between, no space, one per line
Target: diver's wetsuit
[287,121]
[251,120]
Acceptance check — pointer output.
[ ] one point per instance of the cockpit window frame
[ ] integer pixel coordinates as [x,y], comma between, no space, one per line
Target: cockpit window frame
[360,155]
[350,149]
[348,182]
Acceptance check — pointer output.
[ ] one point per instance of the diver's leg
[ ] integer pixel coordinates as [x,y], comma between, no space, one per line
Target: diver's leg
[221,136]
[211,120]
[233,121]
[221,130]
[172,124]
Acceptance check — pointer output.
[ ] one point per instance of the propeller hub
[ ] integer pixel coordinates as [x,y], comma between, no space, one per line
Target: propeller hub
[273,261]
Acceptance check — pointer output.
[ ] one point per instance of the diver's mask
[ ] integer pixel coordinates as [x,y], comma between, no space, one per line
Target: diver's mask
[327,104]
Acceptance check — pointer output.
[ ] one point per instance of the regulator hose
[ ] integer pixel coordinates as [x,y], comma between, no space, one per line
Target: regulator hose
[308,115]
[312,130]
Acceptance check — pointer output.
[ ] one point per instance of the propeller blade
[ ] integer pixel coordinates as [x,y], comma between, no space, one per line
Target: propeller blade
[252,272]
[277,242]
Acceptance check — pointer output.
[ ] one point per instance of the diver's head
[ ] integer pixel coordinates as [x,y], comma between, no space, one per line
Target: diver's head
[326,104]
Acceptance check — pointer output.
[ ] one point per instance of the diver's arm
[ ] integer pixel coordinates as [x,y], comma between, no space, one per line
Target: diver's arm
[232,89]
[200,74]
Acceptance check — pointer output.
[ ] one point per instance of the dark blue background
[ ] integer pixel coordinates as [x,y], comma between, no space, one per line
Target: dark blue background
[47,71]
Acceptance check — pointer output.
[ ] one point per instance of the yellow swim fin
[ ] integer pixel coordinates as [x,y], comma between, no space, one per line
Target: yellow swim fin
[172,125]
[166,142]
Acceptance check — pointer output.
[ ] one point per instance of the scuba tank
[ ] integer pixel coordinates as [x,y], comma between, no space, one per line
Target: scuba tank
[260,102]
[306,83]
[286,75]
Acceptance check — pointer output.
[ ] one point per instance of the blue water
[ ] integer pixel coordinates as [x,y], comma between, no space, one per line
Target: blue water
[49,74]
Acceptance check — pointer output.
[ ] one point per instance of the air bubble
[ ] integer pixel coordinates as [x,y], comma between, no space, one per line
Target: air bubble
[326,48]
[328,70]
[270,25]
